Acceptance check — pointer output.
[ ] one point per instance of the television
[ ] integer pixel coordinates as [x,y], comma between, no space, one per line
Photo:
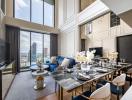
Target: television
[124,48]
[99,51]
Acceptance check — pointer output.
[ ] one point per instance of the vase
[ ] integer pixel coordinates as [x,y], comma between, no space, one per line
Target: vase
[85,67]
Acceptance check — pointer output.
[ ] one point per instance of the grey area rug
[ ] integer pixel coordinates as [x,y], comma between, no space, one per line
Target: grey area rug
[22,88]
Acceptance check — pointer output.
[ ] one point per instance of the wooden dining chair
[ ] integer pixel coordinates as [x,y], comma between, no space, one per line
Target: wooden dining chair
[102,93]
[117,85]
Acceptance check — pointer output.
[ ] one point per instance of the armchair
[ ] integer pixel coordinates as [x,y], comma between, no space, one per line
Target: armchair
[102,93]
[117,85]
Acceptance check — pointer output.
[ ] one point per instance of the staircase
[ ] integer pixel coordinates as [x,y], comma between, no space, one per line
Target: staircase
[122,8]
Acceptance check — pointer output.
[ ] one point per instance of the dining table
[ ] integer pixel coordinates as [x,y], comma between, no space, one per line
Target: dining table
[70,79]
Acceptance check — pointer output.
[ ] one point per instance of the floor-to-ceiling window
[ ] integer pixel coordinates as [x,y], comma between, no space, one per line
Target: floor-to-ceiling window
[37,11]
[33,46]
[24,49]
[36,47]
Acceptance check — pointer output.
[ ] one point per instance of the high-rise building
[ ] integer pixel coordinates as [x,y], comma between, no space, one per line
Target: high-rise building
[33,52]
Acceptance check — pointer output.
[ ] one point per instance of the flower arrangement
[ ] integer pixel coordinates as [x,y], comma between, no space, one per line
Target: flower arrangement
[39,63]
[83,57]
[112,55]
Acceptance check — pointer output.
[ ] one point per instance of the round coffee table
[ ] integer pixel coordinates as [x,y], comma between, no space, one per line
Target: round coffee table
[41,74]
[35,67]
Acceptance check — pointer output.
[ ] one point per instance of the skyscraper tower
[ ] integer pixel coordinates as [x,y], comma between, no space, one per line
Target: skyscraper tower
[33,52]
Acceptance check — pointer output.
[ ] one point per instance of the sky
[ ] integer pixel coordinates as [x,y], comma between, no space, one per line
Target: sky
[22,11]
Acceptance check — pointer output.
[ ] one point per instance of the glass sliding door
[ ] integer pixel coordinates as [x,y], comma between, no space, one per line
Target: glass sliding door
[36,47]
[33,46]
[24,49]
[46,49]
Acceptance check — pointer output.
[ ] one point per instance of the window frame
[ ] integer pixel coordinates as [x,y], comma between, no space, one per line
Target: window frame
[31,13]
[30,32]
[19,18]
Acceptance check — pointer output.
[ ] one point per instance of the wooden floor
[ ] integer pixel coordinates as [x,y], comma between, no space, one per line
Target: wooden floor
[54,96]
[22,87]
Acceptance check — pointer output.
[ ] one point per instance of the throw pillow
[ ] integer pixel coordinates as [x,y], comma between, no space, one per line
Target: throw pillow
[65,62]
[53,59]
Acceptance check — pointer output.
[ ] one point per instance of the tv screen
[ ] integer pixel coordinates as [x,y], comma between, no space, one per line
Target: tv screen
[124,48]
[99,51]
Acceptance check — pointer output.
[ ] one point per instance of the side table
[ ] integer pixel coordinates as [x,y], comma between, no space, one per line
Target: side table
[39,74]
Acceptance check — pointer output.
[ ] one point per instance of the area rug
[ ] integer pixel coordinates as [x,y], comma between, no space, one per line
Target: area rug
[22,88]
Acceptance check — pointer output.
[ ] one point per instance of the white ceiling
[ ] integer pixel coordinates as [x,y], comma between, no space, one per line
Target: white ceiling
[118,6]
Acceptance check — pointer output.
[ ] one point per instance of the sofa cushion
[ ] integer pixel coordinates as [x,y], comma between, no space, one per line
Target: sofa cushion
[59,59]
[72,62]
[52,67]
[53,60]
[65,62]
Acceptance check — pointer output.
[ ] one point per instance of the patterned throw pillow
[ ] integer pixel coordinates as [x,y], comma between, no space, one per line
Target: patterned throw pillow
[65,62]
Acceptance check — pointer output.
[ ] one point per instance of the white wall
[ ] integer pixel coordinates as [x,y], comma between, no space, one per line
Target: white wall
[69,21]
[104,36]
[69,33]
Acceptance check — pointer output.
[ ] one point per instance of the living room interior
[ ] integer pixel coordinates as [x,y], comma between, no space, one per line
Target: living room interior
[65,50]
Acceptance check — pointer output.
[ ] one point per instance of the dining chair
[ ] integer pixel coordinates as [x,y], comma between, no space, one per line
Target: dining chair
[102,93]
[117,85]
[129,76]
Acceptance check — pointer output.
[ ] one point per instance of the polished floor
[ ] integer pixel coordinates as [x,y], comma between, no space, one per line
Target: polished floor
[22,87]
[6,81]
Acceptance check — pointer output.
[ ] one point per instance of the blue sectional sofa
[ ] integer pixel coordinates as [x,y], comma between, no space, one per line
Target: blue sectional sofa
[59,60]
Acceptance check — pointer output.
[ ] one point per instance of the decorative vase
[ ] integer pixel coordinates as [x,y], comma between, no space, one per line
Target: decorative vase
[85,67]
[39,82]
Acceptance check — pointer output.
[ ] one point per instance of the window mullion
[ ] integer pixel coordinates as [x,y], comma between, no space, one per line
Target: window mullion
[30,10]
[43,48]
[43,12]
[30,49]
